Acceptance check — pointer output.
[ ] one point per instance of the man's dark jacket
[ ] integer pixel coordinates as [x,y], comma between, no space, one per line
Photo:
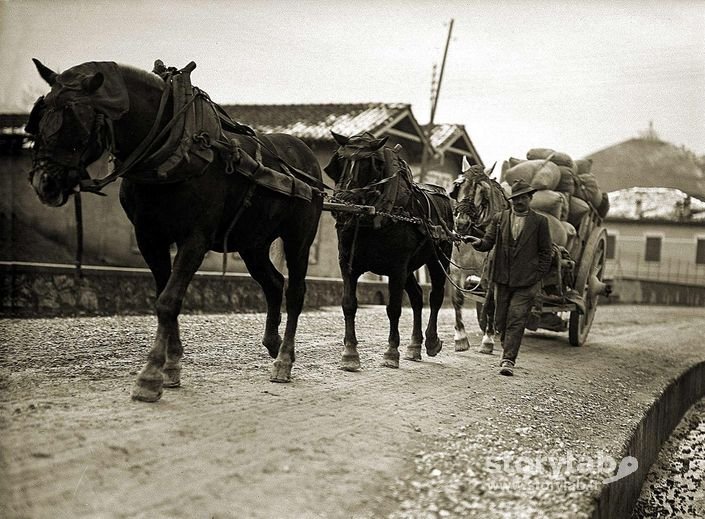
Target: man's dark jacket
[524,262]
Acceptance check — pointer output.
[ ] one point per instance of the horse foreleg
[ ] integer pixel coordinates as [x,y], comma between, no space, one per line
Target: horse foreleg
[435,299]
[396,286]
[415,293]
[351,358]
[157,257]
[461,336]
[270,279]
[150,380]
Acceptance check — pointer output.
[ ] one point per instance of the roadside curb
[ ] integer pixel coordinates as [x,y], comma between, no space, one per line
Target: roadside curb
[617,499]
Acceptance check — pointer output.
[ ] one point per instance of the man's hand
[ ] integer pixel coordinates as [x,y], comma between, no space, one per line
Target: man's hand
[472,240]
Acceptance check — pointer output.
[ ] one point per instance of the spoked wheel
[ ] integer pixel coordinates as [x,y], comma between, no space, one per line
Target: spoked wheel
[588,283]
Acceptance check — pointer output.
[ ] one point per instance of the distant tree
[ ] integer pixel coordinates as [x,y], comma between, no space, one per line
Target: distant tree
[700,162]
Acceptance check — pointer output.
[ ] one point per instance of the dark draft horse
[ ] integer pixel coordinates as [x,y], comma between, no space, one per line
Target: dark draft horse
[196,214]
[478,198]
[418,233]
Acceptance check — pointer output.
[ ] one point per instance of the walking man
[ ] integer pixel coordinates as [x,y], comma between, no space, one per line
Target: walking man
[522,257]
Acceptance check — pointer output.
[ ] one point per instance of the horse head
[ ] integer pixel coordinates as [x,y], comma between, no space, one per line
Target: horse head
[478,198]
[69,127]
[357,166]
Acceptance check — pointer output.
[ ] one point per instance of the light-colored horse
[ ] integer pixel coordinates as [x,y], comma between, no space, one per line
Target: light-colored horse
[478,198]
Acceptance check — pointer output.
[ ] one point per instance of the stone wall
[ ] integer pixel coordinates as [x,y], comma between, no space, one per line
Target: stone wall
[52,291]
[42,290]
[657,292]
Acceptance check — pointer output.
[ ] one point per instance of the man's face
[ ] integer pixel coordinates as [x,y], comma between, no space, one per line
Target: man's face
[521,203]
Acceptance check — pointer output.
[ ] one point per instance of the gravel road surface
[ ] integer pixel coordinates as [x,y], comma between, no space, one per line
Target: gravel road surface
[446,437]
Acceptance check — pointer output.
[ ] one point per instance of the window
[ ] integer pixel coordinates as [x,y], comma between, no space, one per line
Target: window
[611,246]
[700,252]
[653,248]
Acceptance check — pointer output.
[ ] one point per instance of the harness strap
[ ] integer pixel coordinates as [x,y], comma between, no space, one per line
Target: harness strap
[316,182]
[135,156]
[78,212]
[247,200]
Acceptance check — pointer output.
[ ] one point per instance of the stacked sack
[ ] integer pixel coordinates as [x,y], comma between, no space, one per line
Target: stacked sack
[564,189]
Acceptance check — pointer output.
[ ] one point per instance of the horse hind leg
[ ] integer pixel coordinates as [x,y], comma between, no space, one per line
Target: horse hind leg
[415,293]
[461,336]
[486,322]
[271,280]
[297,264]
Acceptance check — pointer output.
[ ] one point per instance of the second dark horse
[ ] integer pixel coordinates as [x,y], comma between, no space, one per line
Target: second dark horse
[412,228]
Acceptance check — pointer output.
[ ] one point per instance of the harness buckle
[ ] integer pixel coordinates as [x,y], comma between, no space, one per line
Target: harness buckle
[203,139]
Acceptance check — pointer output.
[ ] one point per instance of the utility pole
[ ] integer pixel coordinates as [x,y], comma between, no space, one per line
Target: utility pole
[434,103]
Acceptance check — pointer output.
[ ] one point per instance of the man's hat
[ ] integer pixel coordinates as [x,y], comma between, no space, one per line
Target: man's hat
[521,187]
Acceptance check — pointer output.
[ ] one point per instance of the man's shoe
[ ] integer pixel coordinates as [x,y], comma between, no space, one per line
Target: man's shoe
[506,368]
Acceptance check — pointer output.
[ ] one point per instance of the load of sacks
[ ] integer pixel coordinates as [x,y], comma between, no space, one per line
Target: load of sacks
[564,186]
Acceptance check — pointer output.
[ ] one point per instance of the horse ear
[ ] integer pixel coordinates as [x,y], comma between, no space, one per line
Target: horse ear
[379,143]
[489,171]
[46,73]
[340,139]
[333,168]
[93,83]
[454,191]
[465,166]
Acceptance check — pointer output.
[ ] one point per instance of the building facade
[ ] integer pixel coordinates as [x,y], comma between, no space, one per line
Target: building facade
[32,232]
[656,234]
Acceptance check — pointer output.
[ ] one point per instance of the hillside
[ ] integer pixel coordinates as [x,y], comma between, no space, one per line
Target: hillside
[648,163]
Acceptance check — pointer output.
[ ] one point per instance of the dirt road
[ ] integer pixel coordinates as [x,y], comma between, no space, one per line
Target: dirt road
[231,444]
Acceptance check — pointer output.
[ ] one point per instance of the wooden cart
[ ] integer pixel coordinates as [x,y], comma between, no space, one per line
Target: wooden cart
[581,283]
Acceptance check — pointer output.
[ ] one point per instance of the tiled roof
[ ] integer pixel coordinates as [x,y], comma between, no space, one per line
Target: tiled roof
[313,122]
[445,134]
[657,203]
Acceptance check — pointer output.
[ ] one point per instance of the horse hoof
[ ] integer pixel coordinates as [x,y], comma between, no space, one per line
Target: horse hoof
[486,349]
[487,339]
[433,347]
[281,371]
[143,393]
[350,363]
[391,360]
[462,344]
[172,376]
[413,353]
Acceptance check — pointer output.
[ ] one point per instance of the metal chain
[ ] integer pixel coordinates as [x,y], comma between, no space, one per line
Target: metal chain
[392,216]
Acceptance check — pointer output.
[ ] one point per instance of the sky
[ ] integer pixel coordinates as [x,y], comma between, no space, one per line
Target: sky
[576,76]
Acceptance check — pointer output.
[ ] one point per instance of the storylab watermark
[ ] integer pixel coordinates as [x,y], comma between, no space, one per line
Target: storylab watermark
[558,469]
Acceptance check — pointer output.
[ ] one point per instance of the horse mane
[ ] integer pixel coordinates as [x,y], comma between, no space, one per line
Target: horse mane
[138,74]
[498,197]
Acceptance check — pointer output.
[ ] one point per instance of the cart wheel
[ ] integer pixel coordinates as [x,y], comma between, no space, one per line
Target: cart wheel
[592,263]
